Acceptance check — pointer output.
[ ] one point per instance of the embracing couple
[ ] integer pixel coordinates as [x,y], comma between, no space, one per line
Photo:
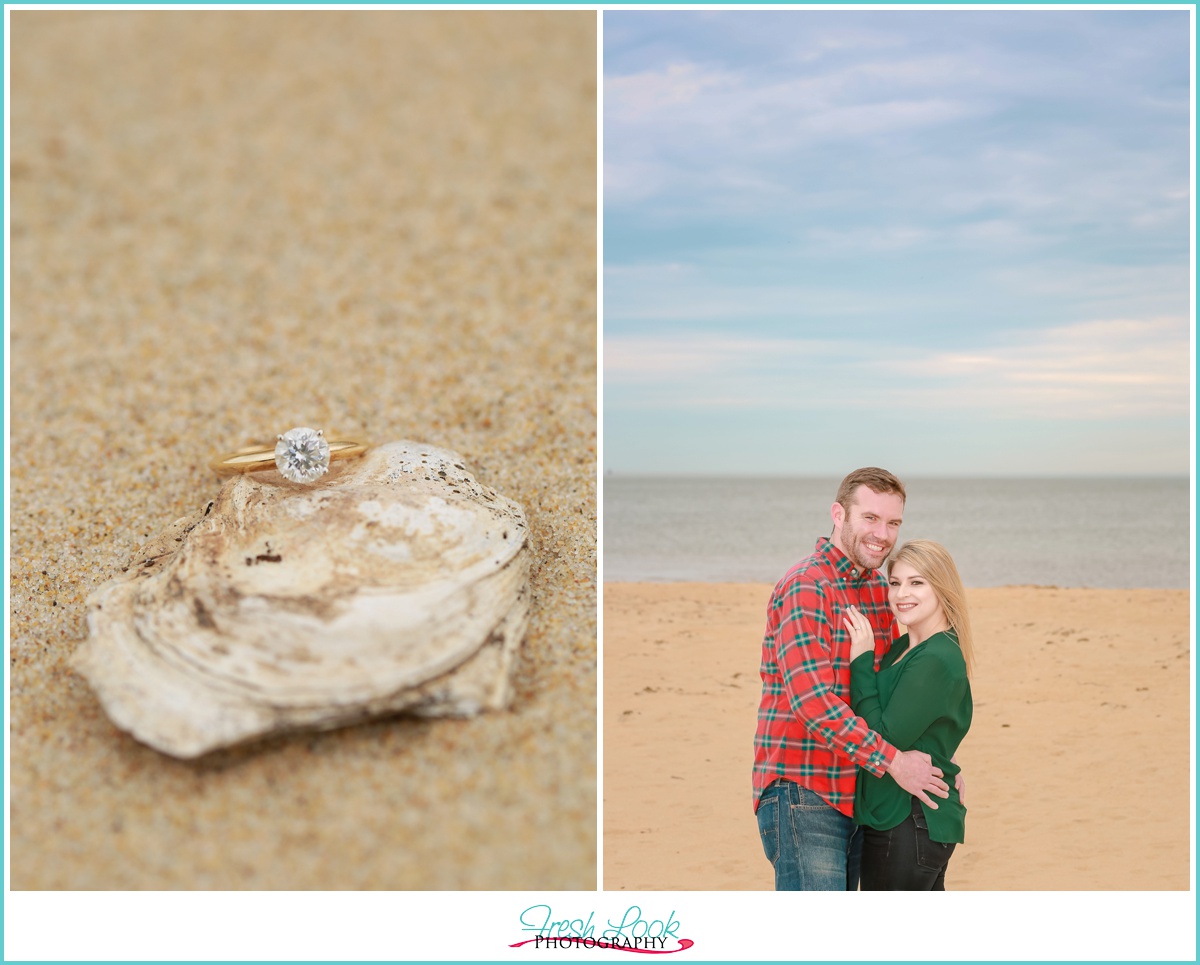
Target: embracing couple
[858,723]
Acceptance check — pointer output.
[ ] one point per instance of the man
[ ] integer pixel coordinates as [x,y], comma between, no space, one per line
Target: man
[809,744]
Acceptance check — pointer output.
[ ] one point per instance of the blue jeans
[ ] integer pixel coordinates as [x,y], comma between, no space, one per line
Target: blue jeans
[813,846]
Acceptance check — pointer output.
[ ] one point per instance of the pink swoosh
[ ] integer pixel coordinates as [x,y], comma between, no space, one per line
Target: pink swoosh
[684,945]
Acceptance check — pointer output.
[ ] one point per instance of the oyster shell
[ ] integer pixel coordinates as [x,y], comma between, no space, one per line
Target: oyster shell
[398,583]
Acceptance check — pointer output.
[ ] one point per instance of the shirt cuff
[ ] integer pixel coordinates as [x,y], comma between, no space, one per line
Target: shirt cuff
[858,659]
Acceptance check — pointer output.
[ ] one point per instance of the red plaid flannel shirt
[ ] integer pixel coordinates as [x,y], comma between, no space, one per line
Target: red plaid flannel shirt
[807,732]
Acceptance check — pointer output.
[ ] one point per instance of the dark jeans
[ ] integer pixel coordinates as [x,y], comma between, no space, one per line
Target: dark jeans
[904,858]
[811,845]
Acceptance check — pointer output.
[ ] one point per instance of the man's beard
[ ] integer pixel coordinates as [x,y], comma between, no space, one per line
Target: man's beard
[852,542]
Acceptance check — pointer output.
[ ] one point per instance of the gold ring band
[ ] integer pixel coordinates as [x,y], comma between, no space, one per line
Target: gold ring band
[300,455]
[259,457]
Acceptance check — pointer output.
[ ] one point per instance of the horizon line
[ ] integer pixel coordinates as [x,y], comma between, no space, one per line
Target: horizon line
[663,581]
[645,474]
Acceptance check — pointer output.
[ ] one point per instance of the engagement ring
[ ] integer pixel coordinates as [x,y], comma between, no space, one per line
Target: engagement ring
[301,455]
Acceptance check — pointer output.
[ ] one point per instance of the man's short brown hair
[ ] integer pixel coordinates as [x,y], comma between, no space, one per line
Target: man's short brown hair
[875,479]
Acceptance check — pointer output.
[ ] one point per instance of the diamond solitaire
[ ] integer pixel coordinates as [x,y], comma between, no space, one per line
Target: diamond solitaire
[301,455]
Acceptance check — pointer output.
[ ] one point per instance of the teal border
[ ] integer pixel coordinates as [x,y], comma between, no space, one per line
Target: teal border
[599,7]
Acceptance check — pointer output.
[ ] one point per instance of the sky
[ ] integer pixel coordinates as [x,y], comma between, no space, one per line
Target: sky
[944,242]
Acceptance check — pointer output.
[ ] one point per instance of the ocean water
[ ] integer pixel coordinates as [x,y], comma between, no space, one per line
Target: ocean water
[1050,532]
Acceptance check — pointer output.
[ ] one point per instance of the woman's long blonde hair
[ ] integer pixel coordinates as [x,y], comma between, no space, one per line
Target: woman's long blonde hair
[933,561]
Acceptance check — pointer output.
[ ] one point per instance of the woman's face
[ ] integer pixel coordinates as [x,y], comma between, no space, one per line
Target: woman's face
[911,597]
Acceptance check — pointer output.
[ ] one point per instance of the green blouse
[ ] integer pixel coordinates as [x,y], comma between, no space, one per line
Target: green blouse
[922,702]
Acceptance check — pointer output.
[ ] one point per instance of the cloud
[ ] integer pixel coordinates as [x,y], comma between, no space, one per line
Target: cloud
[684,107]
[942,118]
[645,97]
[1117,368]
[883,117]
[682,127]
[979,216]
[679,292]
[661,361]
[1104,369]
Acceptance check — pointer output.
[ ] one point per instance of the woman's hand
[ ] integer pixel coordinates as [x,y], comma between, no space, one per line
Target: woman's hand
[862,637]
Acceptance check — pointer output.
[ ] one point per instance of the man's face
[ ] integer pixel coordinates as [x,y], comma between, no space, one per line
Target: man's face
[868,531]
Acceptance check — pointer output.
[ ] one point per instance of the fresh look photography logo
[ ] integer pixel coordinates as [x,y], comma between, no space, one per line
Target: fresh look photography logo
[632,931]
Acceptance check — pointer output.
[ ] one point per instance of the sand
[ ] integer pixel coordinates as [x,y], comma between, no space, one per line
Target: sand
[229,223]
[1076,762]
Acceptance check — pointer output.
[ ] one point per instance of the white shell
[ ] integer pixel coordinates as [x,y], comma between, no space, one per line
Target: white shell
[395,583]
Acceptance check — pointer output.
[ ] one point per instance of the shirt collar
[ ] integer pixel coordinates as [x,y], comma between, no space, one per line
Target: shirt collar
[839,561]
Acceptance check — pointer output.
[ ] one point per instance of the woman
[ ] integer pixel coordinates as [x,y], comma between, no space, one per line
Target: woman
[920,698]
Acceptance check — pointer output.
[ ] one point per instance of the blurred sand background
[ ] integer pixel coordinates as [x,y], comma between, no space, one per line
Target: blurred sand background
[228,223]
[1076,762]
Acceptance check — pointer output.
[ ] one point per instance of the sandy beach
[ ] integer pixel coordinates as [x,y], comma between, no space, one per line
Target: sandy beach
[226,223]
[1076,763]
